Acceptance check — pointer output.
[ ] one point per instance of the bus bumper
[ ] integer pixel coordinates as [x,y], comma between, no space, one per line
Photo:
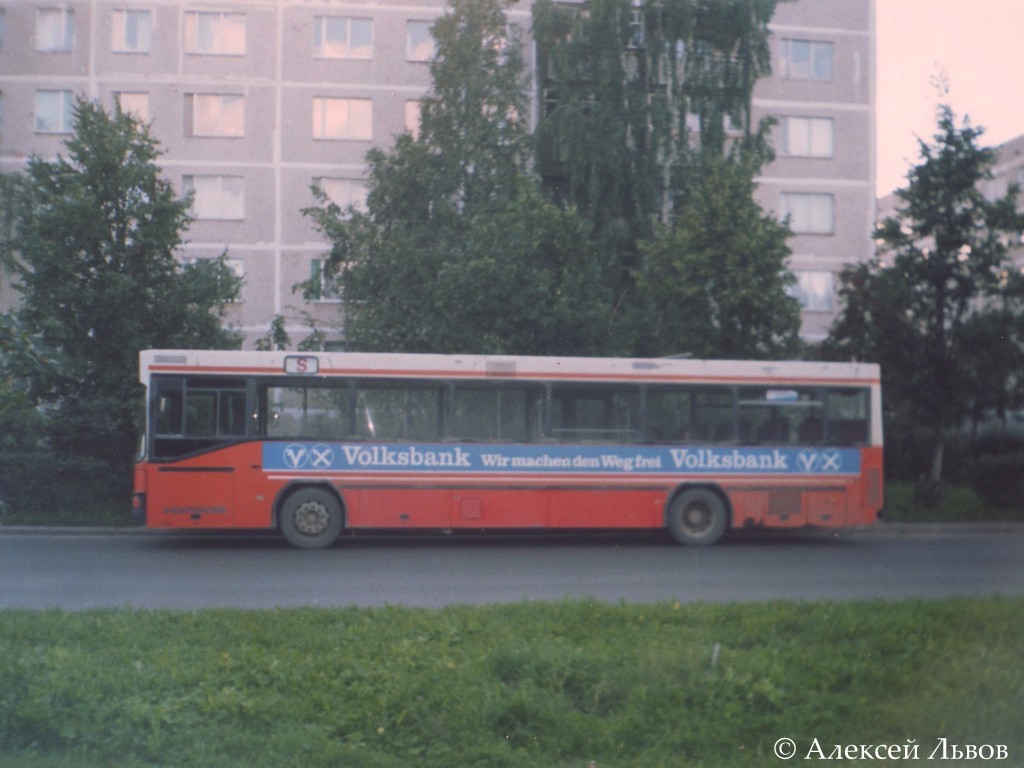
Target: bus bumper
[139,510]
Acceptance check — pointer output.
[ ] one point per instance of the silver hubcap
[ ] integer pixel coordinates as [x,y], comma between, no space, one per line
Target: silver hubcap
[696,518]
[312,518]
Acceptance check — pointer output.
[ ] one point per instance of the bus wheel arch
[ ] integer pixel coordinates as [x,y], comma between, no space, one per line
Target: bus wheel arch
[698,515]
[310,515]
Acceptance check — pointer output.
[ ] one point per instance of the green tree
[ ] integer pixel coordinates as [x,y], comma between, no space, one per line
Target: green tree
[635,96]
[9,194]
[938,307]
[21,423]
[457,250]
[96,239]
[714,285]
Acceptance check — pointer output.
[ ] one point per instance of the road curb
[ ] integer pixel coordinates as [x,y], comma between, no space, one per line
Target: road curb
[1009,527]
[113,530]
[993,527]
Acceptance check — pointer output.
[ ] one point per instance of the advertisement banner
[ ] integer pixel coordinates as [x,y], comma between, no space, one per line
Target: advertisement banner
[557,459]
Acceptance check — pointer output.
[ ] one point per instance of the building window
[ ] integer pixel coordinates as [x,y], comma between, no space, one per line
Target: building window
[53,112]
[55,30]
[214,114]
[216,197]
[636,28]
[341,37]
[412,118]
[808,137]
[342,118]
[323,288]
[807,59]
[3,24]
[133,103]
[215,33]
[814,290]
[344,192]
[419,42]
[808,213]
[133,30]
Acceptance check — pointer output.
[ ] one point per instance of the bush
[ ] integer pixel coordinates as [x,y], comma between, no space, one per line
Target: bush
[929,493]
[908,456]
[38,486]
[999,444]
[999,480]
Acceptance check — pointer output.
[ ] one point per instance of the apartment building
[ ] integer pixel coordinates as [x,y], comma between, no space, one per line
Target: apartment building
[1007,170]
[822,94]
[256,101]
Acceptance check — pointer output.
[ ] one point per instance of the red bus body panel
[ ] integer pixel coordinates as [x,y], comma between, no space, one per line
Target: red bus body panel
[228,488]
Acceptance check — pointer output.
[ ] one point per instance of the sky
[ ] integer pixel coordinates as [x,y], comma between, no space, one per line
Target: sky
[978,44]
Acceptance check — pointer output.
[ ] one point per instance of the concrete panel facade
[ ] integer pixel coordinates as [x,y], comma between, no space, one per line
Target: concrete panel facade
[277,78]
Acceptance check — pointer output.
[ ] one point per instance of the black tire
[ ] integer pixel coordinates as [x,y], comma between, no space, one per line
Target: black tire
[310,518]
[697,517]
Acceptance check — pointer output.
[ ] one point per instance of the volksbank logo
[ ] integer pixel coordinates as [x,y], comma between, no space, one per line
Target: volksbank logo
[819,461]
[298,456]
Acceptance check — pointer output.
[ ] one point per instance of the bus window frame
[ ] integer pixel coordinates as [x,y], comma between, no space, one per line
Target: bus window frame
[722,421]
[160,443]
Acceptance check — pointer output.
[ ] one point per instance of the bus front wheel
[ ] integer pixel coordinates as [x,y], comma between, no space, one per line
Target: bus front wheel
[697,517]
[310,518]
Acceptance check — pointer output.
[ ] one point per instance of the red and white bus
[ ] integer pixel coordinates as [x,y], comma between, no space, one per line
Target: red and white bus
[320,444]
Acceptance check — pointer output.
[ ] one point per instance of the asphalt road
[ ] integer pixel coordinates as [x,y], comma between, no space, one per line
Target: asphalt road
[80,571]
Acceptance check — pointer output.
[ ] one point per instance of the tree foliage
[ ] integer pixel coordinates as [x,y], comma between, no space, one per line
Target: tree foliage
[939,307]
[714,285]
[646,121]
[637,98]
[633,91]
[21,423]
[457,251]
[96,240]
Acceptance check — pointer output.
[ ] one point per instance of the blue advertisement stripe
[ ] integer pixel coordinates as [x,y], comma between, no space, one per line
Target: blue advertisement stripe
[557,459]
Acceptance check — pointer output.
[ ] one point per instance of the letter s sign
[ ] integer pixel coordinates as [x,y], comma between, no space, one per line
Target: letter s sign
[304,365]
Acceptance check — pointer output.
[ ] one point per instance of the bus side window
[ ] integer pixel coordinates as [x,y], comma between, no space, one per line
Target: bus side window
[846,416]
[494,412]
[167,408]
[307,411]
[595,413]
[232,413]
[714,416]
[669,413]
[780,415]
[215,412]
[398,413]
[190,415]
[201,413]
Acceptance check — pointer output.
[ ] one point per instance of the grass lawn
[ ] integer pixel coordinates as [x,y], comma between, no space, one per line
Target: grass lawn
[549,685]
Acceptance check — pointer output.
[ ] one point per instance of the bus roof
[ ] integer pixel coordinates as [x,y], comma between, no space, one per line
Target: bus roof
[484,367]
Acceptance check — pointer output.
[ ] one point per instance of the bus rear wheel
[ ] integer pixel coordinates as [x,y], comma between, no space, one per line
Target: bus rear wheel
[310,518]
[697,517]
